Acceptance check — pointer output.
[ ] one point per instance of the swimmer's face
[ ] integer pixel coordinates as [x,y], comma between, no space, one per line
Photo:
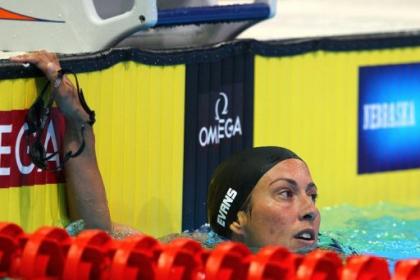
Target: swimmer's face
[282,209]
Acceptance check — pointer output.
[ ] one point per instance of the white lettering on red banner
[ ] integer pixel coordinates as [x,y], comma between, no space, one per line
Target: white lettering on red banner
[16,168]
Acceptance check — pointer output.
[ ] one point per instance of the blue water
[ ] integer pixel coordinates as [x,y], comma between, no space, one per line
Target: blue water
[386,230]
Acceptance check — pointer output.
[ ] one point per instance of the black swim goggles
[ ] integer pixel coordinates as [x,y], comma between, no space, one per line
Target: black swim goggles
[38,117]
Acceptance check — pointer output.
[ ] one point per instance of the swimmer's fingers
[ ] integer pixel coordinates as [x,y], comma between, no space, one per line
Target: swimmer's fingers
[45,61]
[66,95]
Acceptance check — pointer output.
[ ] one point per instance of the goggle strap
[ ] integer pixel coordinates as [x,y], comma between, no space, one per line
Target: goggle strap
[70,154]
[38,106]
[82,99]
[90,112]
[67,156]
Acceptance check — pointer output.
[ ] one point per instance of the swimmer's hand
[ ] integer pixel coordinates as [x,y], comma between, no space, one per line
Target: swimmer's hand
[66,96]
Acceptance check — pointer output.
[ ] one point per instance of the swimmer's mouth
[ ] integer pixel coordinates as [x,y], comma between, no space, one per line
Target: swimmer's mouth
[306,234]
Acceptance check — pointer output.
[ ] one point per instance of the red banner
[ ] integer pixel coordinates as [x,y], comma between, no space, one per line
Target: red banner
[16,168]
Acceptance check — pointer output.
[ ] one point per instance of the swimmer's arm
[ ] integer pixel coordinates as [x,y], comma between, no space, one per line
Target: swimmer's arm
[85,188]
[84,184]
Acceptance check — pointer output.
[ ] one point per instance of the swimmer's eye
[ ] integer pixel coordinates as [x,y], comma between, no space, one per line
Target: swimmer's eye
[286,194]
[314,197]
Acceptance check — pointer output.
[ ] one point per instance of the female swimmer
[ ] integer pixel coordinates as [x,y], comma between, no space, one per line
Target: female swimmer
[261,196]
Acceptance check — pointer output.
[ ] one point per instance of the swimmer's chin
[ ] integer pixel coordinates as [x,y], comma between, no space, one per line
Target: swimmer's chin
[306,249]
[300,250]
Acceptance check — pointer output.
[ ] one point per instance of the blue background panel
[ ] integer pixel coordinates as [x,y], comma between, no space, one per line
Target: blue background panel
[389,148]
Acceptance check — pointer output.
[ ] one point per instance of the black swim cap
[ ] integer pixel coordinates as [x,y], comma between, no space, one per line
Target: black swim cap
[233,181]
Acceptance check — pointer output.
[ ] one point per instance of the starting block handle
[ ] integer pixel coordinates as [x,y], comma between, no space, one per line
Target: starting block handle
[142,15]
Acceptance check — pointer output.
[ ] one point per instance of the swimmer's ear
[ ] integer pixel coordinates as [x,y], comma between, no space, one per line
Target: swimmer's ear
[238,227]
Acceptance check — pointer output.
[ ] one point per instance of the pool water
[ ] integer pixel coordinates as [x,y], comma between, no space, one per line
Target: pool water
[386,230]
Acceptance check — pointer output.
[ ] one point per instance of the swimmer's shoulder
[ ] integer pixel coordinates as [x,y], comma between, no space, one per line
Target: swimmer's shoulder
[119,231]
[203,235]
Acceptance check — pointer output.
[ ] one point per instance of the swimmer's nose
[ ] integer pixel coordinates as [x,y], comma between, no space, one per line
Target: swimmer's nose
[309,211]
[310,216]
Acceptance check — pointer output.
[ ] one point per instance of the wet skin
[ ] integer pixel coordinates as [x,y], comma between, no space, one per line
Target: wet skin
[283,210]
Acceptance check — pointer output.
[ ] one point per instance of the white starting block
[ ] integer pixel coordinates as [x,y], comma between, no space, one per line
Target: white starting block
[75,26]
